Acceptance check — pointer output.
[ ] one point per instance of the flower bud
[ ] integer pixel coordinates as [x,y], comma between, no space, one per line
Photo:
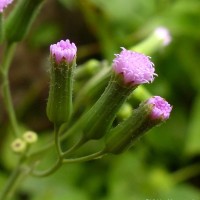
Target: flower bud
[30,137]
[21,18]
[63,62]
[125,111]
[158,39]
[130,69]
[150,113]
[88,69]
[163,35]
[18,145]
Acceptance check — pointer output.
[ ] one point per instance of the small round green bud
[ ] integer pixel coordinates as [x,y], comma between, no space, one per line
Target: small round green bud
[18,145]
[30,137]
[125,111]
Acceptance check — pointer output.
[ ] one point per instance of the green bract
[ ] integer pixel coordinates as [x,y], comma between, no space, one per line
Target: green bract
[59,105]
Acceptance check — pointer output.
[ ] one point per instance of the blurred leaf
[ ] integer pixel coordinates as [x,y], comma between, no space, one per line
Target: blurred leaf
[45,34]
[170,136]
[68,3]
[59,186]
[182,192]
[183,17]
[3,179]
[193,139]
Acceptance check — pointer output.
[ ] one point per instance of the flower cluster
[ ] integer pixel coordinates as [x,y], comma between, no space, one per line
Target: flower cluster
[161,108]
[135,67]
[63,50]
[4,4]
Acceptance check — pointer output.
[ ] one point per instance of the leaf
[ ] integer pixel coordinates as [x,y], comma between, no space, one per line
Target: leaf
[193,140]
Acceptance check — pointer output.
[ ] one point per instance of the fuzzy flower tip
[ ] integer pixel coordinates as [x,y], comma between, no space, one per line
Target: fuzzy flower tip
[4,4]
[163,34]
[63,50]
[136,68]
[161,108]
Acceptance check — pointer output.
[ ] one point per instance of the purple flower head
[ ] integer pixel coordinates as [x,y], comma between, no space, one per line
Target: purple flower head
[63,50]
[4,4]
[161,108]
[136,68]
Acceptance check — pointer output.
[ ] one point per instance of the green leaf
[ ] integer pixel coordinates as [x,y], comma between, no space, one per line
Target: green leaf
[193,140]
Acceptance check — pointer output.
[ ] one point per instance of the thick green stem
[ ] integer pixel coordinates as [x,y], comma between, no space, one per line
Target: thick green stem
[98,120]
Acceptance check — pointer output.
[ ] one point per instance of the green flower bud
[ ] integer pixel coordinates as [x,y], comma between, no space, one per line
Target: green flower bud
[18,145]
[88,69]
[125,111]
[30,137]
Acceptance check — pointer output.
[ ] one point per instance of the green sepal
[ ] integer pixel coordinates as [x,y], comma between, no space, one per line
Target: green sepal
[59,105]
[98,120]
[21,18]
[123,136]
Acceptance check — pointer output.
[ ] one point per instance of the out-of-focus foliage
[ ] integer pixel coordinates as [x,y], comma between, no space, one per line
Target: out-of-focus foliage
[165,164]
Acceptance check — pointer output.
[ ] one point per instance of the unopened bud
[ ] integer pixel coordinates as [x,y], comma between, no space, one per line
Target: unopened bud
[18,145]
[30,137]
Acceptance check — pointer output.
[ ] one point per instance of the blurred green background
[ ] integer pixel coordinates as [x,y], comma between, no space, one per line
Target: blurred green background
[165,164]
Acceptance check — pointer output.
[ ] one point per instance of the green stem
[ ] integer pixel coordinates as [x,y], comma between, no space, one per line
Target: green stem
[61,161]
[57,140]
[74,147]
[64,134]
[186,173]
[13,181]
[59,153]
[49,171]
[99,154]
[6,88]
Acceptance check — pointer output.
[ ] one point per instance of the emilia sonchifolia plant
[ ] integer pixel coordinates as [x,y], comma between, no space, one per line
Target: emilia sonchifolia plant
[129,70]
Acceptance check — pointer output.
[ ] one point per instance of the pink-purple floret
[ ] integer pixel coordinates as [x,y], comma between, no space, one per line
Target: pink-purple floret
[161,108]
[63,51]
[136,68]
[4,4]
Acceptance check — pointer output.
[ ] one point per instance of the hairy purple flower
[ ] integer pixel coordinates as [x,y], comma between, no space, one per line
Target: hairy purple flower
[161,108]
[136,68]
[4,4]
[63,50]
